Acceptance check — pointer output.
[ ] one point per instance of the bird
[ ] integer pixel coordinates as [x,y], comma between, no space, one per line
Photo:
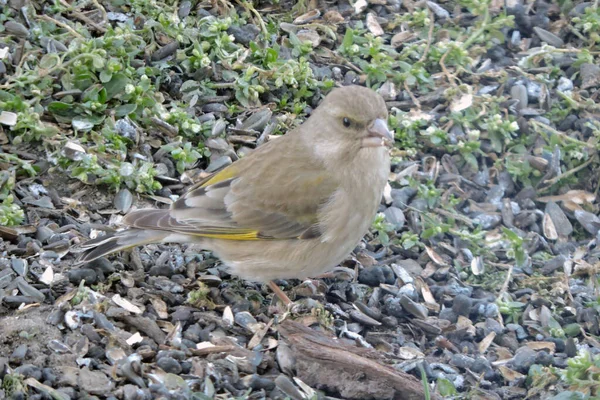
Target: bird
[293,208]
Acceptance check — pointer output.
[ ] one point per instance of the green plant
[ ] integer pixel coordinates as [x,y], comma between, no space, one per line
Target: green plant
[511,309]
[199,298]
[589,24]
[183,154]
[583,373]
[10,214]
[382,228]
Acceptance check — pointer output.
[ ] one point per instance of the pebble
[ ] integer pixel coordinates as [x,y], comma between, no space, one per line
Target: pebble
[30,371]
[87,274]
[393,307]
[219,163]
[395,217]
[523,359]
[244,34]
[18,354]
[519,93]
[374,276]
[94,382]
[169,365]
[411,266]
[462,305]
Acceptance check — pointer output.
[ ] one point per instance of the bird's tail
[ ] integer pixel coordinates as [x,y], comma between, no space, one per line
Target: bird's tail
[143,224]
[111,243]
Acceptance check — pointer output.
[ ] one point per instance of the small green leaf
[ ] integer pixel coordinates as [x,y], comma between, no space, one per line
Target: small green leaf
[125,109]
[49,61]
[105,76]
[116,85]
[446,388]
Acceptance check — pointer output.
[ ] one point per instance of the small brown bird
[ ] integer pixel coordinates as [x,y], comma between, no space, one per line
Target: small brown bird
[295,207]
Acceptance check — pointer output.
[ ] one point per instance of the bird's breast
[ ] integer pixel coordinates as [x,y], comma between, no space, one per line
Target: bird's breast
[351,209]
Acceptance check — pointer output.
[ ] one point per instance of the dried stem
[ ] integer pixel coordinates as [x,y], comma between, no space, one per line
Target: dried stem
[61,24]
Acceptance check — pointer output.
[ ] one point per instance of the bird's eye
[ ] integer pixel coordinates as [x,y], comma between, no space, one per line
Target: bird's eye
[346,122]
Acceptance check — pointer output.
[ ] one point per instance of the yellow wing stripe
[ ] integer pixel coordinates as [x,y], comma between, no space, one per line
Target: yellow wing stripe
[231,236]
[222,175]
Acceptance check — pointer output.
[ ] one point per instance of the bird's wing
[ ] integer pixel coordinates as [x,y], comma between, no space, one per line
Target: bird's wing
[251,199]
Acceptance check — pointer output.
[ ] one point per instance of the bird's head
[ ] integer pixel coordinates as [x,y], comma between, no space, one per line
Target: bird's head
[356,115]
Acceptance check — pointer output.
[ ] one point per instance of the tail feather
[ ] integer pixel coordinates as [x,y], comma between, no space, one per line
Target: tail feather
[105,245]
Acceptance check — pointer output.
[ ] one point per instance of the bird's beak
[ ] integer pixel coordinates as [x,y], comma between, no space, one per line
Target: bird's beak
[379,134]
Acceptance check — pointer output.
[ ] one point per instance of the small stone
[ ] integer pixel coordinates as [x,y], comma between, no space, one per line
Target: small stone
[67,376]
[402,197]
[77,275]
[392,307]
[169,365]
[410,291]
[491,310]
[414,308]
[161,270]
[449,315]
[492,325]
[123,200]
[570,347]
[480,364]
[16,301]
[590,75]
[560,343]
[245,34]
[395,216]
[439,12]
[181,314]
[19,266]
[18,354]
[132,392]
[544,358]
[548,37]
[553,264]
[565,85]
[519,92]
[30,371]
[374,276]
[461,361]
[462,305]
[589,221]
[488,221]
[410,265]
[524,359]
[15,28]
[219,163]
[49,378]
[94,382]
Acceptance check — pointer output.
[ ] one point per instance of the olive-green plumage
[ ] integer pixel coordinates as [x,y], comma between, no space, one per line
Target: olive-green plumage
[293,208]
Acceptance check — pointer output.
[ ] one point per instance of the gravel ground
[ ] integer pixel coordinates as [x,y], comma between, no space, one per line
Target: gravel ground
[478,279]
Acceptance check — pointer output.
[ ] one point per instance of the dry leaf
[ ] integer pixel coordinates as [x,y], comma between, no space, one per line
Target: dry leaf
[409,353]
[550,346]
[549,228]
[135,338]
[228,318]
[435,257]
[509,375]
[462,103]
[373,25]
[503,353]
[160,306]
[48,276]
[126,304]
[575,196]
[485,343]
[8,118]
[477,266]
